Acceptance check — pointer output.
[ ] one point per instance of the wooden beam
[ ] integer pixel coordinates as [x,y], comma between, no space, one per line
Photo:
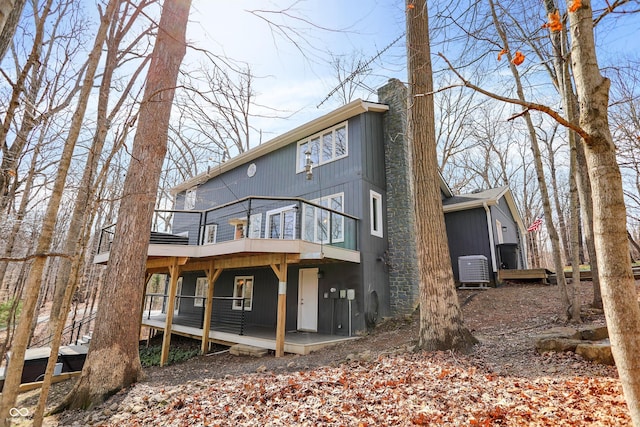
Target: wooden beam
[282,304]
[241,261]
[166,262]
[212,276]
[54,379]
[174,271]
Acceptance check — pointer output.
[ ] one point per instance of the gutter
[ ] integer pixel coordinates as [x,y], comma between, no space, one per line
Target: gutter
[491,242]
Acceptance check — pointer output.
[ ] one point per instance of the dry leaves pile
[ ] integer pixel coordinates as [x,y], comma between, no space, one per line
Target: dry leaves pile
[377,381]
[410,389]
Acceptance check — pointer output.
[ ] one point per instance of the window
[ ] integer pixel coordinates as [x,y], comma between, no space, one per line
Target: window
[499,232]
[325,147]
[243,288]
[255,226]
[375,213]
[190,199]
[318,223]
[202,284]
[281,223]
[210,231]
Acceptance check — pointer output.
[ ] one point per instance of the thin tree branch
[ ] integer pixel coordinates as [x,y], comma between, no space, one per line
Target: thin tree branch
[528,105]
[38,255]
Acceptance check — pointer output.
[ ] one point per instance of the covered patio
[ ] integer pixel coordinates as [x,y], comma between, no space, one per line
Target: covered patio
[297,342]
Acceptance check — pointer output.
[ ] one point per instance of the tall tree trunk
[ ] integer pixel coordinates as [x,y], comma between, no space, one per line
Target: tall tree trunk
[20,214]
[10,12]
[566,312]
[11,155]
[32,286]
[564,86]
[574,229]
[562,223]
[441,322]
[609,213]
[117,329]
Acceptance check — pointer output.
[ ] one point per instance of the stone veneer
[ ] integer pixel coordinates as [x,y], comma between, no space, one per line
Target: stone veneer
[402,256]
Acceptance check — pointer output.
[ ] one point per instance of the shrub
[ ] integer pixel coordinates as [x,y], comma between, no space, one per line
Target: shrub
[150,356]
[5,311]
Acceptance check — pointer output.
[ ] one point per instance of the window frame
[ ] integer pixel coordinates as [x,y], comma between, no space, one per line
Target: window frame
[247,299]
[202,284]
[315,219]
[255,226]
[375,214]
[318,151]
[205,234]
[281,211]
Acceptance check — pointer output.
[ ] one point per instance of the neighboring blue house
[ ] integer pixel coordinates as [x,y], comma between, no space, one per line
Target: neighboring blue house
[303,240]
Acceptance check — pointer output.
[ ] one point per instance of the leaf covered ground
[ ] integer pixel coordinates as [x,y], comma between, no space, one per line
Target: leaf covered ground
[380,380]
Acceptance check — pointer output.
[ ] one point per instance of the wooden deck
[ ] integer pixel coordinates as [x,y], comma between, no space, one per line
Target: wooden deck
[586,275]
[296,342]
[546,276]
[531,274]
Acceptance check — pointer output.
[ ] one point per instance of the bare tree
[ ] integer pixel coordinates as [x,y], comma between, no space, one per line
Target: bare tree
[616,278]
[10,12]
[32,287]
[116,55]
[441,323]
[118,319]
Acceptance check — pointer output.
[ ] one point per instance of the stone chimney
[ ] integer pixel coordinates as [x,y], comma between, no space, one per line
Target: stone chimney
[402,257]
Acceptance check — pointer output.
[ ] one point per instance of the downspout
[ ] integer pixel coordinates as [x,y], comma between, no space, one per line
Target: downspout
[491,243]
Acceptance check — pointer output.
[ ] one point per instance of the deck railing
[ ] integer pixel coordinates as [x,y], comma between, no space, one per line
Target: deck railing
[223,317]
[256,218]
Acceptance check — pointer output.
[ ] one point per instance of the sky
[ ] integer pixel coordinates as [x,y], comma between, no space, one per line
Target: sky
[298,80]
[292,79]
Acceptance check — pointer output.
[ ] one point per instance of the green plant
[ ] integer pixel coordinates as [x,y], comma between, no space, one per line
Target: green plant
[150,356]
[5,311]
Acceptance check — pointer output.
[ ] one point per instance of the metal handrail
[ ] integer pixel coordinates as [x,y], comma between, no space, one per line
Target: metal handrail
[203,214]
[75,325]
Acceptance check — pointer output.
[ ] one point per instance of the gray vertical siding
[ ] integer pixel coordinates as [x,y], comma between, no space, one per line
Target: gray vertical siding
[354,175]
[468,235]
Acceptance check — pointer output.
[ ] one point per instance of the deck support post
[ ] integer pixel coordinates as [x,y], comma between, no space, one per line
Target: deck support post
[174,273]
[212,275]
[281,271]
[147,277]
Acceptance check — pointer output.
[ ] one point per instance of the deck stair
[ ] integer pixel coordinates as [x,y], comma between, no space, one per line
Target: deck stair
[247,350]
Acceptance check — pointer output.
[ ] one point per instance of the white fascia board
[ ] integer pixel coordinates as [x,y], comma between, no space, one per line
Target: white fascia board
[345,112]
[472,204]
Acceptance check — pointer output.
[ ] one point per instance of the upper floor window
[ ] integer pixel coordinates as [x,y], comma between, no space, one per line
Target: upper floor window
[209,235]
[281,223]
[190,199]
[326,146]
[322,226]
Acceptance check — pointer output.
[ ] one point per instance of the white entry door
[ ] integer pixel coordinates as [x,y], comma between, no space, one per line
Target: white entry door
[308,300]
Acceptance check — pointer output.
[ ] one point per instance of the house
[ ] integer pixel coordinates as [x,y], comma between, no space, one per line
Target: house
[485,223]
[299,242]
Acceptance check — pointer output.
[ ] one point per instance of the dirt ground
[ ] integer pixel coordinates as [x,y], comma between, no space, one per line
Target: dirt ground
[505,320]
